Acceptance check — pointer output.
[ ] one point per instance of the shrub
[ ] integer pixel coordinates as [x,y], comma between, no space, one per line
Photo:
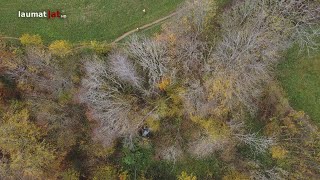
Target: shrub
[170,106]
[186,176]
[235,175]
[153,123]
[124,175]
[60,47]
[278,152]
[104,172]
[214,128]
[70,174]
[96,149]
[99,47]
[272,128]
[163,84]
[27,39]
[137,160]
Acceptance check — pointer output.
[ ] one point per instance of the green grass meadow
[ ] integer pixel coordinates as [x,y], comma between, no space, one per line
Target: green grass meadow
[300,77]
[86,19]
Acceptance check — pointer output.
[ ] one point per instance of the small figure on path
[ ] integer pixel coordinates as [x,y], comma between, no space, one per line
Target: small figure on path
[145,131]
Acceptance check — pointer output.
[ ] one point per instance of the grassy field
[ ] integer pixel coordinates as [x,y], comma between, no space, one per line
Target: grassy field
[300,77]
[86,20]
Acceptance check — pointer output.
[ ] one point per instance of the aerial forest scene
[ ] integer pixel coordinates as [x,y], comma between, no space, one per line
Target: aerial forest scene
[160,90]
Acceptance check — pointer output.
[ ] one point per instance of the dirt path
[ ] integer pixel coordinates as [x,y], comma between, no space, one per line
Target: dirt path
[144,27]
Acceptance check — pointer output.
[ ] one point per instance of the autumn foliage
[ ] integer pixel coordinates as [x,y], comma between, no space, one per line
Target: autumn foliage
[198,101]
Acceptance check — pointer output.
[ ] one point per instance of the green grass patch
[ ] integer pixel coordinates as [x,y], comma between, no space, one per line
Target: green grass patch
[300,77]
[86,20]
[209,168]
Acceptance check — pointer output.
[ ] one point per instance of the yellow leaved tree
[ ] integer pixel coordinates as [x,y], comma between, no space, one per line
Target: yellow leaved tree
[28,156]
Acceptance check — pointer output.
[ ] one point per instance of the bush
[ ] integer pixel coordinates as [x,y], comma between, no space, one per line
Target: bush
[215,129]
[278,152]
[60,48]
[235,175]
[186,176]
[163,84]
[136,161]
[70,174]
[104,172]
[153,123]
[100,48]
[27,39]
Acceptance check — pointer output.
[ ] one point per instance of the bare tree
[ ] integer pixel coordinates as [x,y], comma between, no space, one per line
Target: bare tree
[188,48]
[244,55]
[304,17]
[124,69]
[191,17]
[102,92]
[151,55]
[253,34]
[259,144]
